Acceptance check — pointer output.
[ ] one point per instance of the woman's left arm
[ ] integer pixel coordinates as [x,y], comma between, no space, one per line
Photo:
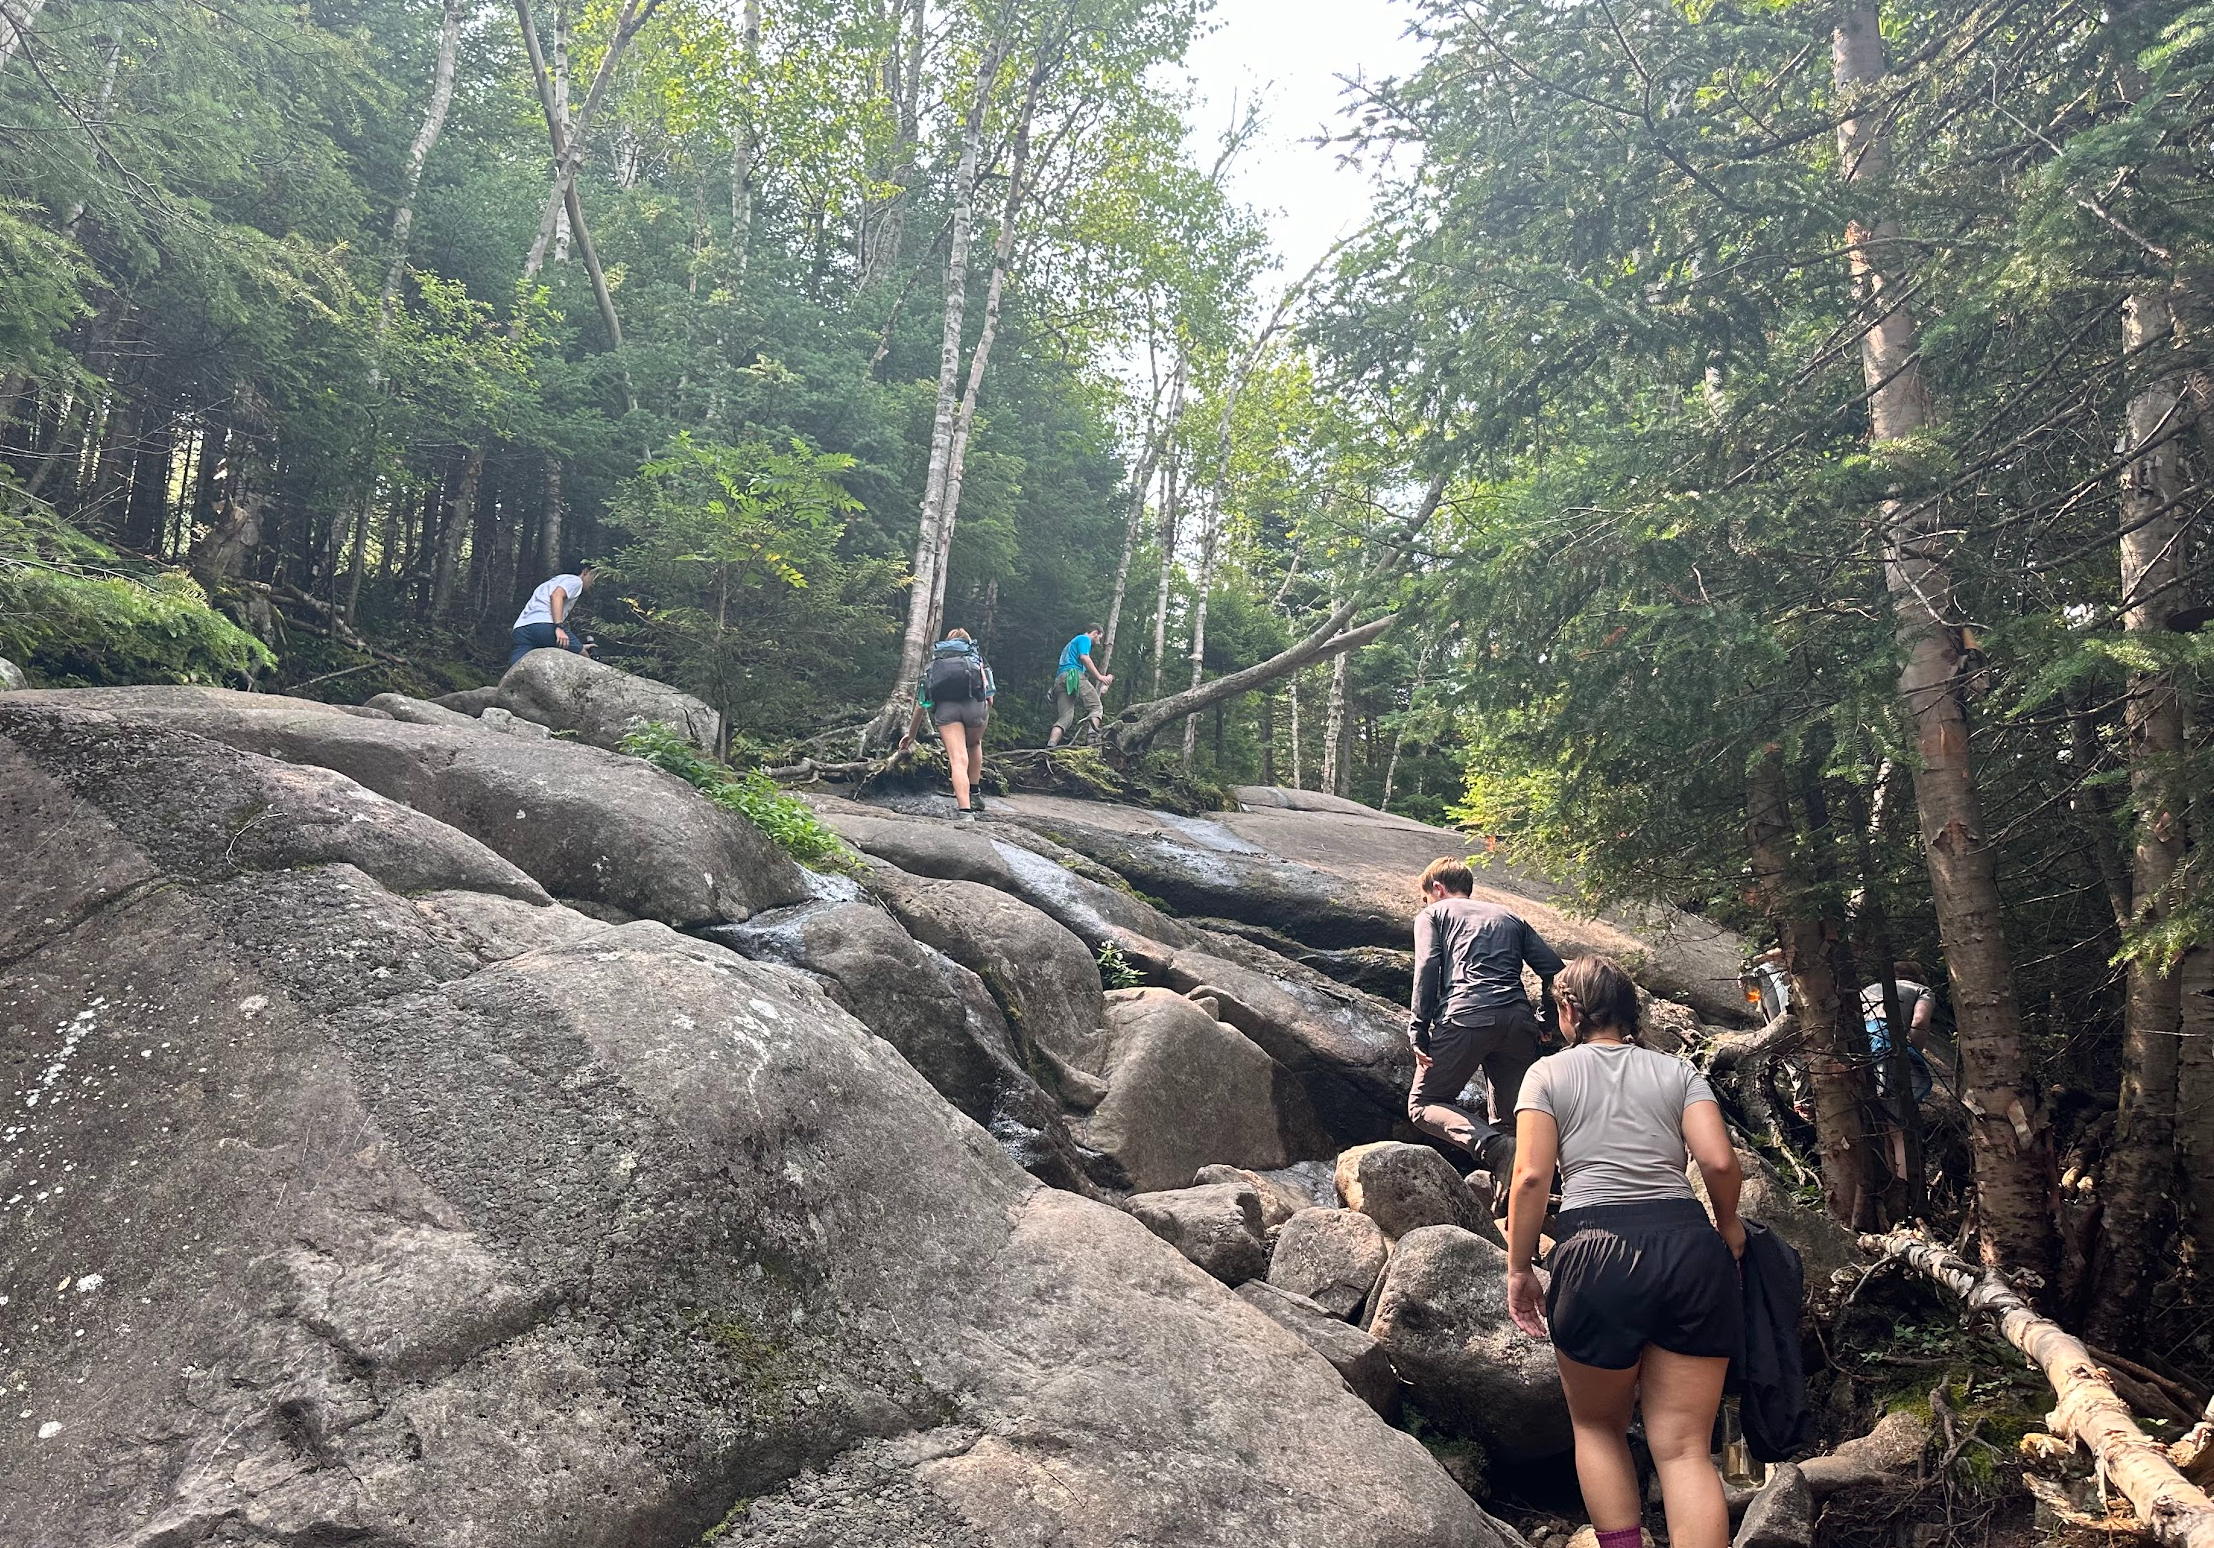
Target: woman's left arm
[1537,1144]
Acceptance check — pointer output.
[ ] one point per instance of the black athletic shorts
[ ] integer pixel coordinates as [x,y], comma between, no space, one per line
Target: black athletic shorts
[1652,1272]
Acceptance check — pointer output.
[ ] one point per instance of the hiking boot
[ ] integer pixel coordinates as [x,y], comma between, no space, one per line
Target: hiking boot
[963,815]
[1496,1156]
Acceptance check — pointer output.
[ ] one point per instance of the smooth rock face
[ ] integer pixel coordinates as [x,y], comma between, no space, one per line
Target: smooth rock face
[1406,1187]
[1184,1091]
[1441,1314]
[1351,1353]
[569,692]
[11,676]
[1217,1227]
[1781,1515]
[949,1030]
[461,1220]
[1333,1257]
[419,712]
[1042,977]
[585,824]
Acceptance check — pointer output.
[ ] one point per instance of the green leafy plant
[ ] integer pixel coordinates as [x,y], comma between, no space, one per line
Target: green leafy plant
[750,793]
[1115,971]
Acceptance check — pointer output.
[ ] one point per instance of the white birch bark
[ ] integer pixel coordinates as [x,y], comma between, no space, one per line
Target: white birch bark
[1141,485]
[16,17]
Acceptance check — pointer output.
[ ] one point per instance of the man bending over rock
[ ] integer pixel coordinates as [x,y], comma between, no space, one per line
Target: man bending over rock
[543,622]
[1470,1012]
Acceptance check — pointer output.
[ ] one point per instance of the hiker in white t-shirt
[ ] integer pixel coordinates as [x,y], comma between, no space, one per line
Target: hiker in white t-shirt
[543,622]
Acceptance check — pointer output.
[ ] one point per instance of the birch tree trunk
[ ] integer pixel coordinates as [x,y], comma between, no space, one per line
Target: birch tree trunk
[1156,432]
[2011,1140]
[1333,733]
[1399,737]
[1298,771]
[1210,539]
[884,218]
[745,140]
[403,218]
[2141,1173]
[634,15]
[560,121]
[1171,491]
[949,505]
[1817,999]
[923,592]
[16,17]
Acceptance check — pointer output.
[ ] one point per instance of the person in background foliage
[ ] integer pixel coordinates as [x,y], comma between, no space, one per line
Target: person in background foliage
[956,692]
[1645,1304]
[544,621]
[1469,1012]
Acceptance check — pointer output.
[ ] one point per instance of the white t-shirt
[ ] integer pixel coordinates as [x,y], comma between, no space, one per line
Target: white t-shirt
[539,609]
[1620,1109]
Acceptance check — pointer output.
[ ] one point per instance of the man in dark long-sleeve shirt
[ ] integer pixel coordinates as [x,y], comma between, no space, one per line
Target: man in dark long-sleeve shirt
[1470,1012]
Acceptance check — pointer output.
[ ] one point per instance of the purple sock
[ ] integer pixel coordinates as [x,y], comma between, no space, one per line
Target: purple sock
[1628,1537]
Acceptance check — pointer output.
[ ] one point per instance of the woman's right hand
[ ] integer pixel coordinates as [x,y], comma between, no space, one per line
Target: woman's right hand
[1734,1234]
[1526,1301]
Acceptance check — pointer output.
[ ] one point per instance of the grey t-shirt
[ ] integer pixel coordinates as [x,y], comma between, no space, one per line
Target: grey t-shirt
[1620,1109]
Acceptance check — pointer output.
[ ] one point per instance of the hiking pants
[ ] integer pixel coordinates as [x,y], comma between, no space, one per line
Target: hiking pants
[540,636]
[1503,1045]
[1087,694]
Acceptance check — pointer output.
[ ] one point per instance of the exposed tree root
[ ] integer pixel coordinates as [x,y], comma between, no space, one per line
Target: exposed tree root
[2173,1510]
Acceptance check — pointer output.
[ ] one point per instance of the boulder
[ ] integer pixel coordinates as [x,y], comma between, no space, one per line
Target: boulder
[1185,1091]
[1823,1245]
[1332,1257]
[1279,1200]
[1588,1537]
[11,676]
[1349,1050]
[585,824]
[1040,975]
[419,712]
[1351,1353]
[1441,1314]
[1217,1227]
[469,701]
[339,1216]
[1406,1187]
[599,704]
[936,1013]
[1781,1515]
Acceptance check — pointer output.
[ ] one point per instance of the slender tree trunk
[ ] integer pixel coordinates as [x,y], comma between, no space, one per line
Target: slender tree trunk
[2012,1143]
[1399,737]
[923,591]
[1159,428]
[16,17]
[1333,733]
[745,139]
[550,520]
[1816,996]
[403,217]
[634,15]
[458,516]
[1171,496]
[2141,1173]
[884,218]
[108,70]
[561,133]
[561,120]
[949,506]
[1210,538]
[1298,770]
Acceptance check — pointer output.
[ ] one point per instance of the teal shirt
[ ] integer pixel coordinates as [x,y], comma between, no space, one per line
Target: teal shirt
[1072,656]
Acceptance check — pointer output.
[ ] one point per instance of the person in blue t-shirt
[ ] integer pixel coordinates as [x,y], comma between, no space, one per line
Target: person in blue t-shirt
[1077,682]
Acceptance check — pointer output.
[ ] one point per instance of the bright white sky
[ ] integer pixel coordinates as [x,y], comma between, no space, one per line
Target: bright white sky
[1293,53]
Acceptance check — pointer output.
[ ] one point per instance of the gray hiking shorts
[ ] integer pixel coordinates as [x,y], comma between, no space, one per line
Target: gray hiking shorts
[969,712]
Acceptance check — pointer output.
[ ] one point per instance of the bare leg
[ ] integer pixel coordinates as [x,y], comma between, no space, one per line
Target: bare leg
[1681,1395]
[956,740]
[976,758]
[1599,1408]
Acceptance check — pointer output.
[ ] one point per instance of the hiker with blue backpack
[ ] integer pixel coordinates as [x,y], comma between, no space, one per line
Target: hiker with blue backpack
[956,692]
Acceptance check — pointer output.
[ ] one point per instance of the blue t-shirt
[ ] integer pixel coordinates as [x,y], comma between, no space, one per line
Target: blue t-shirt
[1073,654]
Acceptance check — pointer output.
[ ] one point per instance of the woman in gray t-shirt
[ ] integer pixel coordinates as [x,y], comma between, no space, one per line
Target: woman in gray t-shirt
[1644,1304]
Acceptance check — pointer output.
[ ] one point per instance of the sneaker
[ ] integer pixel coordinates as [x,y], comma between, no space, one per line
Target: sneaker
[976,806]
[963,815]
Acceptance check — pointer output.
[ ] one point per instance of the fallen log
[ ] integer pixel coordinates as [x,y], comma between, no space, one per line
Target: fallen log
[2174,1511]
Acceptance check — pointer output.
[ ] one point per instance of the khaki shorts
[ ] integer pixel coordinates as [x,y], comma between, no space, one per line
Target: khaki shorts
[969,712]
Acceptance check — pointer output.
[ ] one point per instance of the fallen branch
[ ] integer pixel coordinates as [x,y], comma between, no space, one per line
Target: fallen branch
[1731,1049]
[2174,1511]
[807,771]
